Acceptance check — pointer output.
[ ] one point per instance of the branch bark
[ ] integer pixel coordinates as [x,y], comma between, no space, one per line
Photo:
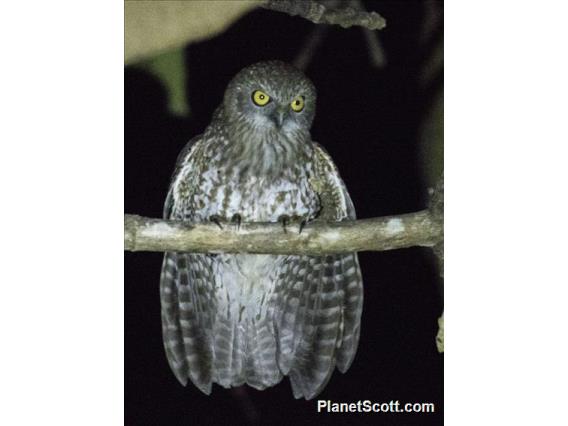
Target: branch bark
[437,211]
[318,13]
[317,238]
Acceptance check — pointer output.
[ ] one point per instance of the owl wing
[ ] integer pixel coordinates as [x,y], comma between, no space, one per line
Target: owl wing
[187,293]
[319,299]
[188,164]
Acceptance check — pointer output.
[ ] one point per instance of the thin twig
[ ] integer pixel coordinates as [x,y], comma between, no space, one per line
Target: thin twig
[313,41]
[375,48]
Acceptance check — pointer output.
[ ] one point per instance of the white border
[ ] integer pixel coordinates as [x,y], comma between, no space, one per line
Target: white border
[506,190]
[61,177]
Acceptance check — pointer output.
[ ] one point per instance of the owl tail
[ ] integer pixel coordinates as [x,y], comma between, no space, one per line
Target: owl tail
[206,343]
[311,325]
[184,322]
[245,352]
[319,321]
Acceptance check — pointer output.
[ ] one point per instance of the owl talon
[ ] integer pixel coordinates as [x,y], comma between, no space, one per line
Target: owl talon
[236,220]
[216,219]
[303,223]
[284,220]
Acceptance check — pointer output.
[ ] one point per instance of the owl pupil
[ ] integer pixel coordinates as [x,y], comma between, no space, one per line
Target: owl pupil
[261,97]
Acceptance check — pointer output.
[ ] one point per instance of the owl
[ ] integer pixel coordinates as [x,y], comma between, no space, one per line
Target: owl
[235,319]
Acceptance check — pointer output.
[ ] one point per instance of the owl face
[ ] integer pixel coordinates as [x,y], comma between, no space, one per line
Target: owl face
[271,97]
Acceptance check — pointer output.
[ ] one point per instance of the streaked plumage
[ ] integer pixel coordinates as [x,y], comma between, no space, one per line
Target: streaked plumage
[233,319]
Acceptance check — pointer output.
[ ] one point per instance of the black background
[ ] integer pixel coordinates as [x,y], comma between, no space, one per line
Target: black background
[368,120]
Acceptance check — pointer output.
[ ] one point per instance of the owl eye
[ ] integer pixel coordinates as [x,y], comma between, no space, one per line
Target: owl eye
[260,98]
[298,104]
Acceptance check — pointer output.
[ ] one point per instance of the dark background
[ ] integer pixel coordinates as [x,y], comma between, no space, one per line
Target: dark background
[369,120]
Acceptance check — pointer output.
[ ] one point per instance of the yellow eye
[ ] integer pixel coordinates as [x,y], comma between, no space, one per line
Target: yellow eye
[260,98]
[298,104]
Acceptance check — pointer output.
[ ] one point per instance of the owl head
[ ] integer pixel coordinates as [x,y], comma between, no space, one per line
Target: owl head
[271,96]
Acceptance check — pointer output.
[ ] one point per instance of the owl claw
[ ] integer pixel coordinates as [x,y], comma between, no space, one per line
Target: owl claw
[236,219]
[303,223]
[216,219]
[284,220]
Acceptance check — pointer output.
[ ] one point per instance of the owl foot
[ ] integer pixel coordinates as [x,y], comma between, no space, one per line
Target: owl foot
[285,220]
[236,220]
[303,223]
[216,219]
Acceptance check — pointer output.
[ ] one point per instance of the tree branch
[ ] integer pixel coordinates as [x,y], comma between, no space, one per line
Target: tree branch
[437,211]
[317,238]
[320,14]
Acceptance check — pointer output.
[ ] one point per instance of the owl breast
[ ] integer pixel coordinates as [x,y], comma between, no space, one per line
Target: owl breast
[256,199]
[245,281]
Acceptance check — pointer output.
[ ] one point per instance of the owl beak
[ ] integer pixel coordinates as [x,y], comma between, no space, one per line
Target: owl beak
[278,116]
